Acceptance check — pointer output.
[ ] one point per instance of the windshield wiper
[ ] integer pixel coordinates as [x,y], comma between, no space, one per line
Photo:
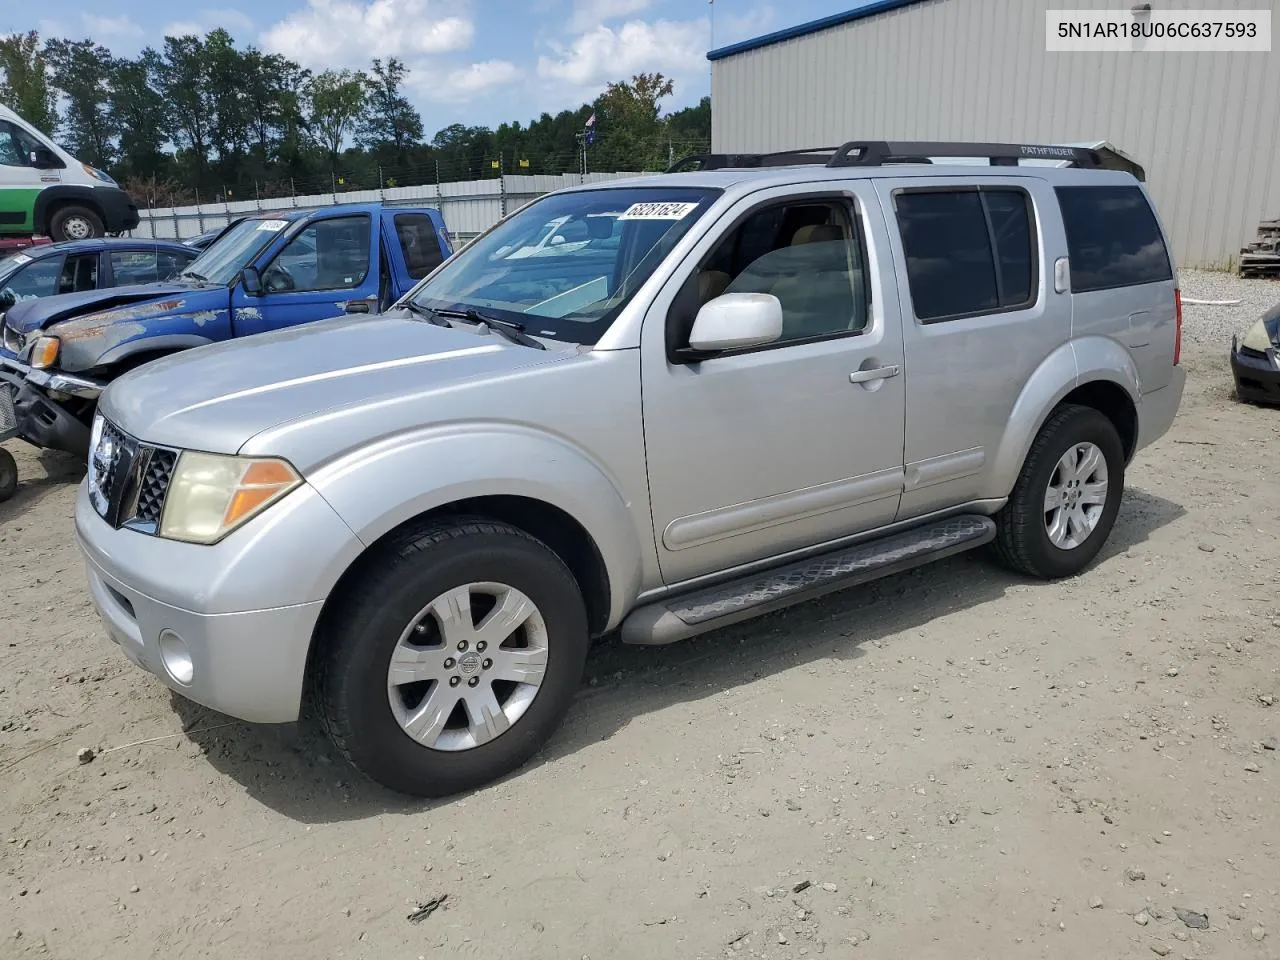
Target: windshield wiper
[507,328]
[431,316]
[193,275]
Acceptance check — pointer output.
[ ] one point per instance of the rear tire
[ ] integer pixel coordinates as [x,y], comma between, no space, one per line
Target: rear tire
[1065,501]
[75,223]
[452,658]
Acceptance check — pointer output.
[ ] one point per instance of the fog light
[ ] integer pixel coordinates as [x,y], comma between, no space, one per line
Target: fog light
[176,657]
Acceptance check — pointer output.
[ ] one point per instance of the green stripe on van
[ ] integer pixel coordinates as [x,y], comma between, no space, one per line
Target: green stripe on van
[18,200]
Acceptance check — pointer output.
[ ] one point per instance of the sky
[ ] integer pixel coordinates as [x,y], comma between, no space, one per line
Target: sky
[477,62]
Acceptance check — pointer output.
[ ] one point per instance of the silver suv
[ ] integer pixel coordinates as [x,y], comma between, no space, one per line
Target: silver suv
[766,379]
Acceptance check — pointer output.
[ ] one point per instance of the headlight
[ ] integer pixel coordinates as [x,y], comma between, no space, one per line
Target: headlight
[1256,338]
[44,352]
[97,174]
[210,494]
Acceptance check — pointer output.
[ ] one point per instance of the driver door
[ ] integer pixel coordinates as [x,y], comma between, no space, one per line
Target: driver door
[328,263]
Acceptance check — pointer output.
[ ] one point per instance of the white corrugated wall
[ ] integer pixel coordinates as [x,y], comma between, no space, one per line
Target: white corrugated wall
[1206,126]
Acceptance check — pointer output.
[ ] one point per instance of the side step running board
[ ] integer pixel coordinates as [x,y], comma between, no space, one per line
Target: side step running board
[687,615]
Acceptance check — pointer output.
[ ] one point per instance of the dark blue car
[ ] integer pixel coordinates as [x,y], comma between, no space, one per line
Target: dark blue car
[78,266]
[265,271]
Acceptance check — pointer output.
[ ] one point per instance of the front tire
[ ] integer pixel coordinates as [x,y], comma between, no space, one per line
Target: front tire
[8,475]
[452,658]
[1067,496]
[75,223]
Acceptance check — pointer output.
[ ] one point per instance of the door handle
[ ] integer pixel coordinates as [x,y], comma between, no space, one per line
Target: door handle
[876,373]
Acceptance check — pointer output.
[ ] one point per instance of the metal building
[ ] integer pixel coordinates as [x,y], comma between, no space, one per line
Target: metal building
[1205,126]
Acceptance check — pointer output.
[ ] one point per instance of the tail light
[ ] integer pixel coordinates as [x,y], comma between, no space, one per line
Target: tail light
[1177,334]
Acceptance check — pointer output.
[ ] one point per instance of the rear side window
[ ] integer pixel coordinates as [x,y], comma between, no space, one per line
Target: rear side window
[968,252]
[1113,238]
[419,243]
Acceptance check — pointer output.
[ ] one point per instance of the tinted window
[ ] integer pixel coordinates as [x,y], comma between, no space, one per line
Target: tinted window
[325,255]
[949,238]
[1010,215]
[419,243]
[1112,237]
[80,273]
[950,269]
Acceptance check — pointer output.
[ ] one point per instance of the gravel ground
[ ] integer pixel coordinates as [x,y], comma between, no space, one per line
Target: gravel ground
[952,762]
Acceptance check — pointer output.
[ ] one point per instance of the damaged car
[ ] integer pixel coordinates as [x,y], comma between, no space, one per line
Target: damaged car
[264,272]
[1255,360]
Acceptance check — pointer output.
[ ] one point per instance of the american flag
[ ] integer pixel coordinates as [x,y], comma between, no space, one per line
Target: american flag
[591,120]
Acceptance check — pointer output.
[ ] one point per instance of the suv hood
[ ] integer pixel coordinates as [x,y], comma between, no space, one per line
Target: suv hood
[29,316]
[216,397]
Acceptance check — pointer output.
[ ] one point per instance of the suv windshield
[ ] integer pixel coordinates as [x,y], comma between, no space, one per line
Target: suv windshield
[566,265]
[222,262]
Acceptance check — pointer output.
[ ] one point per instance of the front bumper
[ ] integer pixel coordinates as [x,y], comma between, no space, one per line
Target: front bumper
[119,212]
[1257,377]
[39,405]
[242,611]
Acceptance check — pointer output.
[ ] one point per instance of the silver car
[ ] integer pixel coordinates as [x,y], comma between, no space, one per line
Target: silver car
[785,377]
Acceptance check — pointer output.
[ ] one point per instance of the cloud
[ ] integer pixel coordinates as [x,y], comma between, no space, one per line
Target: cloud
[483,76]
[604,54]
[588,14]
[233,21]
[348,33]
[462,84]
[104,29]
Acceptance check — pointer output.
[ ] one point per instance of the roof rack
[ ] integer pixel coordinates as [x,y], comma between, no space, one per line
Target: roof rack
[874,153]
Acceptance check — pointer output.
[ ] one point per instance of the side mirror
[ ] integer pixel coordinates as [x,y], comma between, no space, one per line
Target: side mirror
[735,320]
[7,299]
[251,280]
[43,159]
[557,240]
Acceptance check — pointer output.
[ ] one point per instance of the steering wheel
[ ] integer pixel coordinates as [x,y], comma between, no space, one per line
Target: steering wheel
[278,278]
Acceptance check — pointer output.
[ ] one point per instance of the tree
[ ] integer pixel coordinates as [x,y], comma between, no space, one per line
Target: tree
[25,87]
[141,114]
[632,121]
[391,119]
[82,71]
[182,79]
[269,83]
[335,103]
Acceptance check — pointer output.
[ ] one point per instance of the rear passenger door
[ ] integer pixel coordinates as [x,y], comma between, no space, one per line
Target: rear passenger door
[979,316]
[759,451]
[1122,282]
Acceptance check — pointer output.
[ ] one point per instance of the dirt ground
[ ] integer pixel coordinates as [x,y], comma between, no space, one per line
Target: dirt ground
[950,763]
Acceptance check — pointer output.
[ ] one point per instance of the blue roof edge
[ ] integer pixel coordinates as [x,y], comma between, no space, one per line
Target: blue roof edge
[813,26]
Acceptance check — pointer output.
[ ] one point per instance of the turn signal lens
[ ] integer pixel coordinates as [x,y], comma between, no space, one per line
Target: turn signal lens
[45,352]
[212,494]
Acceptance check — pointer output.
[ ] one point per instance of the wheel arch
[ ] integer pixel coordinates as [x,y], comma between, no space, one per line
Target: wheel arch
[1094,372]
[563,534]
[53,198]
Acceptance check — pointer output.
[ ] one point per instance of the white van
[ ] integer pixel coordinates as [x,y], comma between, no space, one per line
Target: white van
[46,191]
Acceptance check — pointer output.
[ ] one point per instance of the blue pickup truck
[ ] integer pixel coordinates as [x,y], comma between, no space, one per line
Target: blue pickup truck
[263,272]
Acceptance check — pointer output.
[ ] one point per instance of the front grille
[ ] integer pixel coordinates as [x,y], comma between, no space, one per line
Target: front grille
[128,480]
[154,485]
[8,419]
